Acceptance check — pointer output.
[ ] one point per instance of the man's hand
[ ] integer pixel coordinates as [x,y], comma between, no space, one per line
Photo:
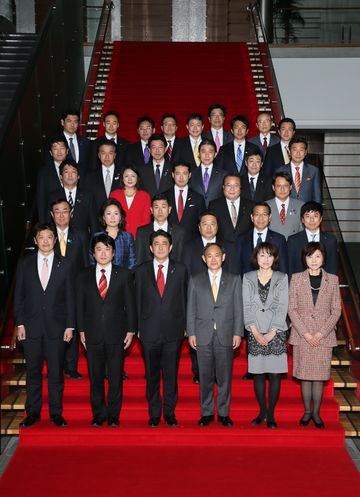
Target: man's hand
[192,341]
[21,333]
[68,334]
[128,339]
[236,341]
[82,339]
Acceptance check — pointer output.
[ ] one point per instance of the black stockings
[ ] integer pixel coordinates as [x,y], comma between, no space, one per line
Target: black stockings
[312,393]
[260,393]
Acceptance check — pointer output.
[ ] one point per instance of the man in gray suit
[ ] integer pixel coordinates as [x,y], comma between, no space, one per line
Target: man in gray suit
[215,326]
[285,210]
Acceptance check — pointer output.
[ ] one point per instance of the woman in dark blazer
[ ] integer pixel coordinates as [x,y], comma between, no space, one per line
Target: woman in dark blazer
[112,222]
[314,309]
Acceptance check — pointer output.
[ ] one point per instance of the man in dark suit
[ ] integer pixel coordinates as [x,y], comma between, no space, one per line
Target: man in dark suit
[306,178]
[186,204]
[155,177]
[216,116]
[208,177]
[111,124]
[102,181]
[245,244]
[232,211]
[106,318]
[232,155]
[279,154]
[169,126]
[255,185]
[161,302]
[311,217]
[265,139]
[215,326]
[188,150]
[79,146]
[72,244]
[44,306]
[160,209]
[84,216]
[48,177]
[138,153]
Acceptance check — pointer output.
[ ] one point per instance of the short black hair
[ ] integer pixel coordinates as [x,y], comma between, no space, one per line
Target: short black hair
[251,151]
[157,233]
[69,162]
[207,141]
[132,168]
[208,213]
[298,139]
[261,204]
[183,164]
[70,112]
[217,106]
[159,196]
[157,137]
[311,206]
[60,200]
[102,238]
[142,119]
[282,174]
[105,141]
[287,120]
[231,175]
[270,249]
[213,244]
[111,113]
[240,118]
[310,248]
[165,116]
[39,227]
[108,203]
[195,115]
[58,139]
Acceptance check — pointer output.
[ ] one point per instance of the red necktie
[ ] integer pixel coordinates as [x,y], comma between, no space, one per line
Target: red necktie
[103,285]
[265,144]
[297,179]
[169,150]
[180,205]
[160,280]
[282,214]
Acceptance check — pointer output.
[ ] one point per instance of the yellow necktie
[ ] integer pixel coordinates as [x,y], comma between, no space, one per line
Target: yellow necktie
[62,244]
[196,153]
[214,287]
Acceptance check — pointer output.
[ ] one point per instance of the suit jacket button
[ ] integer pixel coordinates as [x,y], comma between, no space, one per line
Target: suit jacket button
[262,310]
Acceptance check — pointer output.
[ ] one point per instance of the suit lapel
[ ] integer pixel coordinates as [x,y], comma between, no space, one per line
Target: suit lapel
[169,279]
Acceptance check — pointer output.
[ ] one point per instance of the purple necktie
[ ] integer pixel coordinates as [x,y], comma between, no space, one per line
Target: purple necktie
[206,179]
[146,154]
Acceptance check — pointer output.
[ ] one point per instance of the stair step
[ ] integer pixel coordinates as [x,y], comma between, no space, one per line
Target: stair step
[15,400]
[10,423]
[342,378]
[340,358]
[18,378]
[349,429]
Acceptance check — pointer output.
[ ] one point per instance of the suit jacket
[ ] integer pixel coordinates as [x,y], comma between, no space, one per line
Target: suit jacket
[203,312]
[193,251]
[47,182]
[245,247]
[110,319]
[84,217]
[194,205]
[293,222]
[161,319]
[184,153]
[135,155]
[147,178]
[77,249]
[310,186]
[44,312]
[263,190]
[95,185]
[175,150]
[84,161]
[121,152]
[274,139]
[309,318]
[214,190]
[226,157]
[274,159]
[273,313]
[227,136]
[139,212]
[297,242]
[226,229]
[142,243]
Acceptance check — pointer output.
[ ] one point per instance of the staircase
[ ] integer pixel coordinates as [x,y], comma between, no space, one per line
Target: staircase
[15,50]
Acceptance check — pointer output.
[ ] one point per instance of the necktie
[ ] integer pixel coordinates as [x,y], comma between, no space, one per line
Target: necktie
[313,238]
[44,279]
[180,205]
[146,154]
[196,153]
[286,155]
[112,139]
[103,288]
[265,144]
[239,158]
[160,280]
[206,179]
[233,214]
[72,148]
[282,214]
[70,200]
[107,183]
[217,141]
[297,179]
[62,244]
[157,176]
[259,240]
[214,287]
[252,187]
[169,150]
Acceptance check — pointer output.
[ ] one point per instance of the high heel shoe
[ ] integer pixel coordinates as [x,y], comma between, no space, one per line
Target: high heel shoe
[305,420]
[258,420]
[318,424]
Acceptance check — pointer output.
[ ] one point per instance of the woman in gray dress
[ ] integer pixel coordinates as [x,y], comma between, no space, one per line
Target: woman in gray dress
[265,297]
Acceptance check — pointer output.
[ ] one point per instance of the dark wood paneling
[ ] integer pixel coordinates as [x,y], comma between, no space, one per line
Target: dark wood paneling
[146,20]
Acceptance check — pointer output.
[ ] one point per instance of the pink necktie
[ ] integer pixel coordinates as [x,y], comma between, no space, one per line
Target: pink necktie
[44,273]
[217,141]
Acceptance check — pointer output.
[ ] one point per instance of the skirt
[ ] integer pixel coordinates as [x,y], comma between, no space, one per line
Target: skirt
[311,363]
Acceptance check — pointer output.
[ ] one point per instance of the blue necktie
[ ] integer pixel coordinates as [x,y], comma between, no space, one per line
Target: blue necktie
[239,158]
[259,240]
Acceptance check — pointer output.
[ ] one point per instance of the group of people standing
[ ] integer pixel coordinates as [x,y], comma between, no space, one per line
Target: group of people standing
[194,240]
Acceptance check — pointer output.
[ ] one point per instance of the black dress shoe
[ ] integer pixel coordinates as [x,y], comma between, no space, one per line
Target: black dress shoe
[97,421]
[271,424]
[153,422]
[305,420]
[58,420]
[30,420]
[196,379]
[73,375]
[125,376]
[225,421]
[248,376]
[171,420]
[206,420]
[258,420]
[319,424]
[113,422]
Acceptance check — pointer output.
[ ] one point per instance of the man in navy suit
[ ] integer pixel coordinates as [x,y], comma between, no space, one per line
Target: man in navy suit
[161,286]
[255,185]
[265,139]
[279,154]
[44,305]
[188,150]
[169,126]
[306,178]
[79,146]
[138,153]
[311,217]
[208,177]
[216,116]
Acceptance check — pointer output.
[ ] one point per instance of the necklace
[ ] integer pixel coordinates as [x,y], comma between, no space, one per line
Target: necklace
[315,289]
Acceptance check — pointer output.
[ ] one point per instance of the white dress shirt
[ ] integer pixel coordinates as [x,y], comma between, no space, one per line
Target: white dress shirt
[165,268]
[280,202]
[107,273]
[256,235]
[111,170]
[163,227]
[40,262]
[75,143]
[310,235]
[236,203]
[184,195]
